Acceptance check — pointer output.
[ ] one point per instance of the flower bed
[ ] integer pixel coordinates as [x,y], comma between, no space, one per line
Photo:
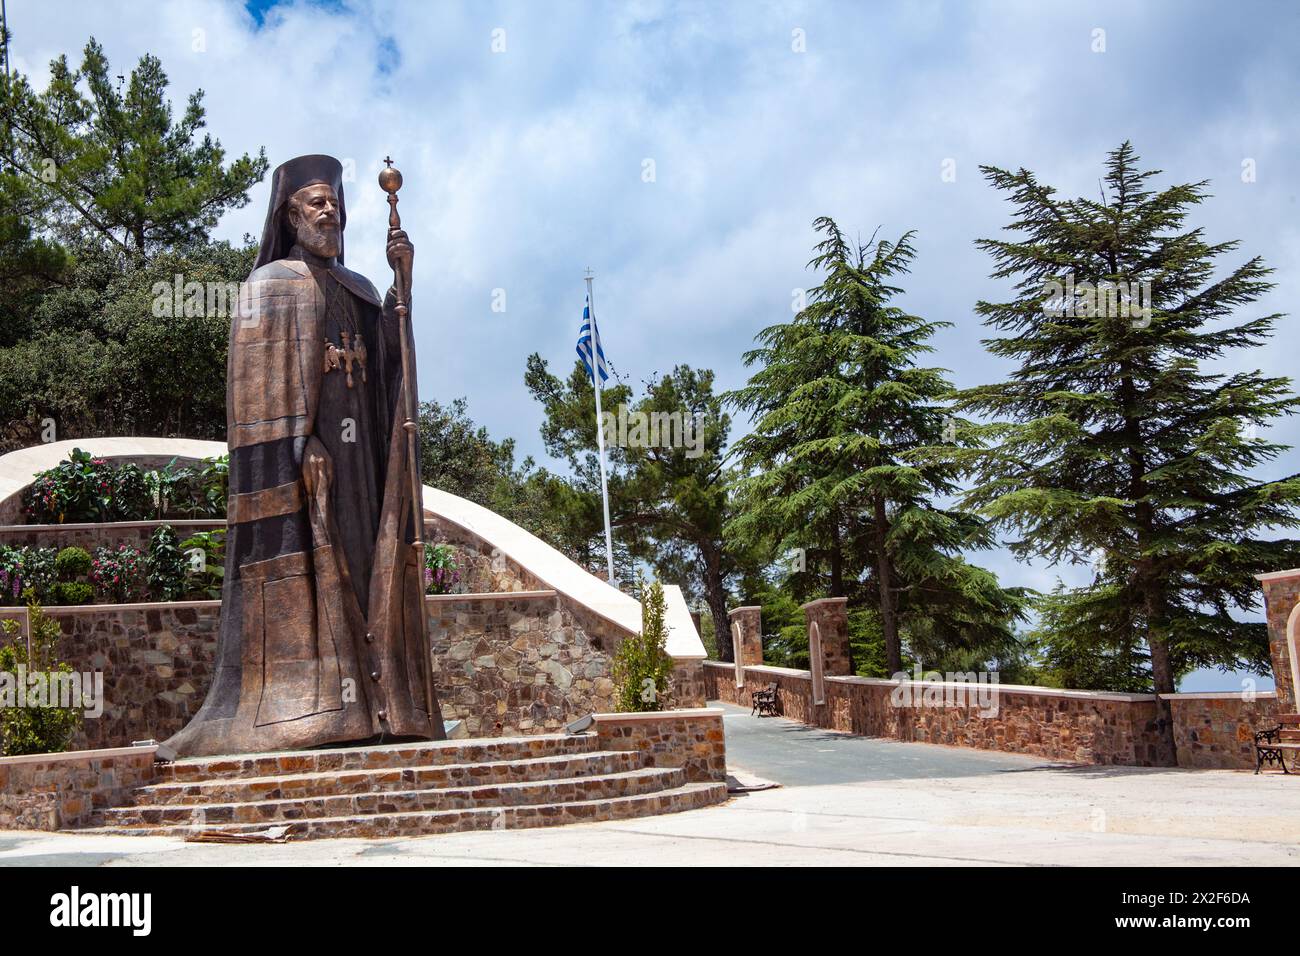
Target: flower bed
[85,488]
[167,568]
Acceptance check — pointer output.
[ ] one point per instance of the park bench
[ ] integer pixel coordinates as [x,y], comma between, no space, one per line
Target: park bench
[1270,748]
[764,701]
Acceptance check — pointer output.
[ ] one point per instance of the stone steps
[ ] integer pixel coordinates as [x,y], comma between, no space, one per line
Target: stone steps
[403,755]
[689,796]
[529,793]
[408,788]
[386,779]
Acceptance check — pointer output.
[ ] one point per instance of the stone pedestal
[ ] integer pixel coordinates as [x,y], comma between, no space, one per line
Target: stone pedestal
[747,622]
[832,620]
[1281,596]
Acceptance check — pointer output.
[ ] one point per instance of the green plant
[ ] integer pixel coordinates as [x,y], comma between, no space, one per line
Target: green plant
[119,574]
[72,563]
[642,667]
[206,554]
[85,488]
[25,568]
[441,570]
[69,593]
[165,566]
[34,729]
[193,492]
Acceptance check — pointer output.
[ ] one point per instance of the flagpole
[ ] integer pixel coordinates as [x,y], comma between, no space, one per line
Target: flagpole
[600,434]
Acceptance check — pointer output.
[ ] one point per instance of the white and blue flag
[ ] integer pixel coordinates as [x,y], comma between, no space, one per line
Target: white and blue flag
[589,343]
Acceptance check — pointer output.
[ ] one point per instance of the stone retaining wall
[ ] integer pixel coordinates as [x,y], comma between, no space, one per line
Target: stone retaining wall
[1079,726]
[56,791]
[157,663]
[1218,730]
[692,739]
[505,665]
[510,666]
[92,536]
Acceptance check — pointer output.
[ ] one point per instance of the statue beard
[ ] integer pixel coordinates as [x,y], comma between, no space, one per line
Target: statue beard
[320,239]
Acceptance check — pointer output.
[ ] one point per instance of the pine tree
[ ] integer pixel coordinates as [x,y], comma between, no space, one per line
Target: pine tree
[110,163]
[845,457]
[1114,443]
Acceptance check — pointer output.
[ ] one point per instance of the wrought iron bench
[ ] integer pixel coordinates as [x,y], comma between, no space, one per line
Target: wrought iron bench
[764,701]
[1270,748]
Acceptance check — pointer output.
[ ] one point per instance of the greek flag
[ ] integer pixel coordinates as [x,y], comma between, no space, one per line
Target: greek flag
[587,335]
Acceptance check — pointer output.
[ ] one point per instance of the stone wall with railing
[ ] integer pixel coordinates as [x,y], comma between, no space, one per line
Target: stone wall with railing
[1218,730]
[1079,726]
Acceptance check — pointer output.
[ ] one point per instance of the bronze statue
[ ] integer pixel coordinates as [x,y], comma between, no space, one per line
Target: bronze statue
[322,614]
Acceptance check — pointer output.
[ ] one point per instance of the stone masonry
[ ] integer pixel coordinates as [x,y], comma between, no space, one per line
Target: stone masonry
[53,791]
[690,739]
[748,621]
[831,617]
[1218,730]
[1079,726]
[156,660]
[1281,594]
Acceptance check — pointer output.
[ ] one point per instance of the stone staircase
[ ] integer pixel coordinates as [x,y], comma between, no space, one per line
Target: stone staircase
[407,789]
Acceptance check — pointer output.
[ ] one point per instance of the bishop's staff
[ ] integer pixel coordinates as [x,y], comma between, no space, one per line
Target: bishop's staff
[390,181]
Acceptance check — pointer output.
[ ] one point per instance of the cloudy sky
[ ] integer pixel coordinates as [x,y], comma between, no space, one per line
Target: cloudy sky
[526,130]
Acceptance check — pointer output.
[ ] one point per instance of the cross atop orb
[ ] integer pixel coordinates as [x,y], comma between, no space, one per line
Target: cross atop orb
[390,181]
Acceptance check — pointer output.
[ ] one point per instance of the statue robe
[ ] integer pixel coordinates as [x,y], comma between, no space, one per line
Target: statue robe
[320,637]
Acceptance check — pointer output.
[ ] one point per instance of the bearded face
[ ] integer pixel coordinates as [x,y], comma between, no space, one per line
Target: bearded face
[314,217]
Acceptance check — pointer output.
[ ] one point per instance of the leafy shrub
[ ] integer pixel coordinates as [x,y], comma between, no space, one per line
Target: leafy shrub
[194,492]
[206,554]
[34,730]
[118,575]
[165,566]
[441,570]
[72,563]
[85,488]
[72,593]
[25,568]
[80,489]
[642,667]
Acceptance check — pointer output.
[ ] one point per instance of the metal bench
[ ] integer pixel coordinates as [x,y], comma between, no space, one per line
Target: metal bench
[764,701]
[1271,749]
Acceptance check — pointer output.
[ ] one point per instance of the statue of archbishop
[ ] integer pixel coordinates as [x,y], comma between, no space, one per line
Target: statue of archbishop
[320,640]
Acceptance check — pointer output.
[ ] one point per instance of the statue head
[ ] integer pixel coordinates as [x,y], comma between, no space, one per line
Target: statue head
[314,218]
[307,208]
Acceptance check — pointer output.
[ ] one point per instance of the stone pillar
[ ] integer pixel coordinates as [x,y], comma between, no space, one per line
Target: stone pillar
[1281,596]
[748,622]
[832,618]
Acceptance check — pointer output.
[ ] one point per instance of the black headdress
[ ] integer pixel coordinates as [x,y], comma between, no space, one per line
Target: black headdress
[277,236]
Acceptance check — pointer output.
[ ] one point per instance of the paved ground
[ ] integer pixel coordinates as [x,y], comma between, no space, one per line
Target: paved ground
[843,801]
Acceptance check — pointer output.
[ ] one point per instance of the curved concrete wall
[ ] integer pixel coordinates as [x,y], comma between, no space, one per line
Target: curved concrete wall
[537,557]
[18,468]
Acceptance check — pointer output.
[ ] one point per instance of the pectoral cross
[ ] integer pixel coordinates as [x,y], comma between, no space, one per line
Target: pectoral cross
[344,357]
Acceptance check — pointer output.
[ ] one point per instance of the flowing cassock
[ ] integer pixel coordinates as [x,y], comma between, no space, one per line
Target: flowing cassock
[320,637]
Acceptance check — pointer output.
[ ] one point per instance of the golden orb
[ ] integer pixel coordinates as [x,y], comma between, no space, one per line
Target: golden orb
[390,180]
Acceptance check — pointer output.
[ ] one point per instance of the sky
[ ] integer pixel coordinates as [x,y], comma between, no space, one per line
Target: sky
[682,150]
